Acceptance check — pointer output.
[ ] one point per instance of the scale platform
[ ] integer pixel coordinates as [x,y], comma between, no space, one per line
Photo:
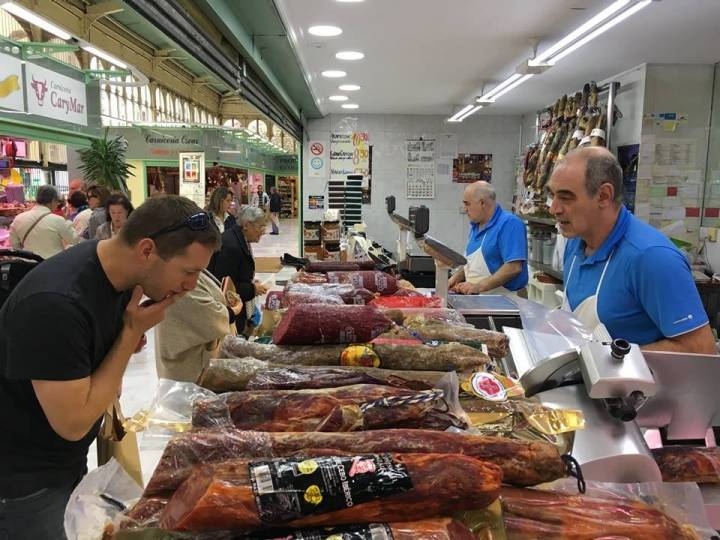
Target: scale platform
[487,311]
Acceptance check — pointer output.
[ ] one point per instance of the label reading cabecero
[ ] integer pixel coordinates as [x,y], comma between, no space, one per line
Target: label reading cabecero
[288,489]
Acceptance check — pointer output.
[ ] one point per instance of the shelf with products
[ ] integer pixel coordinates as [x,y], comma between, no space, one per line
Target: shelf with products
[287,188]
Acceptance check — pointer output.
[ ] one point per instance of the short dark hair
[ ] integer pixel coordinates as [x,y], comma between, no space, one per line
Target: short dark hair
[46,195]
[216,199]
[101,192]
[118,198]
[77,199]
[603,168]
[165,211]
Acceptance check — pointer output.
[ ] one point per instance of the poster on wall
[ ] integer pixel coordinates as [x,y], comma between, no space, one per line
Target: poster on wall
[192,177]
[628,158]
[12,91]
[317,159]
[367,180]
[55,96]
[468,168]
[421,169]
[316,202]
[349,154]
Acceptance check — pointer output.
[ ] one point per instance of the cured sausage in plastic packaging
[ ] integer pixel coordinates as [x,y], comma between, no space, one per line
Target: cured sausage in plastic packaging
[246,495]
[338,266]
[308,325]
[373,281]
[524,463]
[307,355]
[348,293]
[498,344]
[689,464]
[531,514]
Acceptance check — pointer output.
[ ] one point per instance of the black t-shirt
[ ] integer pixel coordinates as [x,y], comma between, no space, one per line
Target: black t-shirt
[58,324]
[275,202]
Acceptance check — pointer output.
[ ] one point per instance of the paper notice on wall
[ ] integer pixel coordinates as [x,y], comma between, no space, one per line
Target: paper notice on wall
[691,191]
[675,152]
[447,146]
[644,170]
[692,224]
[642,210]
[421,169]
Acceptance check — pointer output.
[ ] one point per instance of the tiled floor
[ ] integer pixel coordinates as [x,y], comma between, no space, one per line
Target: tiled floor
[288,241]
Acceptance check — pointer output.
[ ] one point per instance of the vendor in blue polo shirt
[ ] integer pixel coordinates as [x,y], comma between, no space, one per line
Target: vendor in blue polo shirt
[623,278]
[496,251]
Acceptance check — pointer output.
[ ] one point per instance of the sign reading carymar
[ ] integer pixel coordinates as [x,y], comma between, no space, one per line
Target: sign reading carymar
[55,96]
[11,83]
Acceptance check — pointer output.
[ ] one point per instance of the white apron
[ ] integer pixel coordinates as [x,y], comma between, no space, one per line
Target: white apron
[586,311]
[477,269]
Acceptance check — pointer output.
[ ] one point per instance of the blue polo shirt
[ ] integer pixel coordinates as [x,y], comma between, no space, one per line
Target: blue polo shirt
[505,240]
[648,293]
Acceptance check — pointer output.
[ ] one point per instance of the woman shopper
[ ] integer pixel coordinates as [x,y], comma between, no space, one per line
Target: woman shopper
[118,209]
[219,206]
[97,199]
[235,259]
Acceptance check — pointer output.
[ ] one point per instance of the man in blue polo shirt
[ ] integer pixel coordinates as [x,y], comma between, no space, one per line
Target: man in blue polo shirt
[496,251]
[623,278]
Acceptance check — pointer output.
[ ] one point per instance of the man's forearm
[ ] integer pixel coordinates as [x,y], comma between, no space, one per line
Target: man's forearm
[699,341]
[457,277]
[504,274]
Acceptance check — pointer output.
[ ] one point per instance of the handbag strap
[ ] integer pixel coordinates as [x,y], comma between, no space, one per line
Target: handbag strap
[27,233]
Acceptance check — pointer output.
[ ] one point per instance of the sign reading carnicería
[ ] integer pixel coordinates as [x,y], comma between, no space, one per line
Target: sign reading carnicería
[52,95]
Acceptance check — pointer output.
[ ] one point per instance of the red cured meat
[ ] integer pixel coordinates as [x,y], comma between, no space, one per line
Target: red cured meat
[373,281]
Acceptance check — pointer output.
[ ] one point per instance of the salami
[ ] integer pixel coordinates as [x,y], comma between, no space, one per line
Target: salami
[296,298]
[274,300]
[524,463]
[445,357]
[348,293]
[498,344]
[241,495]
[309,277]
[336,266]
[348,408]
[531,514]
[308,325]
[407,301]
[688,464]
[313,355]
[373,281]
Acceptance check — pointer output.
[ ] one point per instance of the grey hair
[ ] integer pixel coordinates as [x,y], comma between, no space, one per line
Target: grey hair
[46,195]
[603,169]
[250,214]
[483,191]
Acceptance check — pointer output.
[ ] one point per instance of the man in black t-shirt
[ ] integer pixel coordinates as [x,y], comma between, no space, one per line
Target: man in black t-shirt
[66,334]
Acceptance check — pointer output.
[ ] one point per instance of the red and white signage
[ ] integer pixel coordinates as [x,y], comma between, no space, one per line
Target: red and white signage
[52,95]
[317,148]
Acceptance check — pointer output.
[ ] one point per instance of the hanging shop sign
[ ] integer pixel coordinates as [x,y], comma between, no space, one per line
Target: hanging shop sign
[192,177]
[55,96]
[12,92]
[349,154]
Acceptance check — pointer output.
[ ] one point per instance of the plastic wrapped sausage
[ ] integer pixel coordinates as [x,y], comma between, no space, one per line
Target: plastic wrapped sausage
[373,281]
[689,464]
[310,325]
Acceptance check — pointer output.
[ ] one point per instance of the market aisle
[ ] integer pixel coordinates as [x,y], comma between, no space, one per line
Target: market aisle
[285,242]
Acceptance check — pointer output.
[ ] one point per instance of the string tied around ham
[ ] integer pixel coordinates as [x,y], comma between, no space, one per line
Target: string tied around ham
[574,470]
[425,396]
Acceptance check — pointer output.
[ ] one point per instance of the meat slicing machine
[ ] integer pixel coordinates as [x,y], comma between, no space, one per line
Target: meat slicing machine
[445,258]
[622,392]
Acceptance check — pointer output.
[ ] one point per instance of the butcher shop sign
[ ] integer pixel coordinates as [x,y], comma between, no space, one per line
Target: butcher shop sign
[52,95]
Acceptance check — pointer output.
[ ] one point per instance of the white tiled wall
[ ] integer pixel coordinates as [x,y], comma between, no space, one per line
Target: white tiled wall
[497,135]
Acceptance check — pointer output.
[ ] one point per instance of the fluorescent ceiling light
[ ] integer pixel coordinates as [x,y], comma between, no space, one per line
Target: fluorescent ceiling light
[338,98]
[29,16]
[350,106]
[325,31]
[333,73]
[105,56]
[604,28]
[349,55]
[471,112]
[349,1]
[488,97]
[349,87]
[456,117]
[513,85]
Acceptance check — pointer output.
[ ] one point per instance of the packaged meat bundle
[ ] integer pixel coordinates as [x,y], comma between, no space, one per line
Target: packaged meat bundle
[346,291]
[531,514]
[336,266]
[416,357]
[348,408]
[688,464]
[407,301]
[332,490]
[524,463]
[298,298]
[373,281]
[498,344]
[308,355]
[311,325]
[399,315]
[232,374]
[274,300]
[309,277]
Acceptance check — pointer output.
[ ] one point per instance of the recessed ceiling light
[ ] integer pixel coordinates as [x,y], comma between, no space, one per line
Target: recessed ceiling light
[349,87]
[350,1]
[350,106]
[349,55]
[338,98]
[333,73]
[325,31]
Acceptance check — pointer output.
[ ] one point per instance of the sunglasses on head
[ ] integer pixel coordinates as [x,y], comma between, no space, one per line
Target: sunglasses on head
[197,222]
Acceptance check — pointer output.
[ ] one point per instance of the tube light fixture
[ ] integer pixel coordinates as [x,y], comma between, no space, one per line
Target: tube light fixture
[463,113]
[614,14]
[513,85]
[105,56]
[32,18]
[489,97]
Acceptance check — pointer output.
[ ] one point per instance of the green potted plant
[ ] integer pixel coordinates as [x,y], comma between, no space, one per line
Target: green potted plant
[104,163]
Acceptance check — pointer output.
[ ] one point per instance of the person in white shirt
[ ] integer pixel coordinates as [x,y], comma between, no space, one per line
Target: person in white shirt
[219,207]
[81,210]
[39,230]
[260,199]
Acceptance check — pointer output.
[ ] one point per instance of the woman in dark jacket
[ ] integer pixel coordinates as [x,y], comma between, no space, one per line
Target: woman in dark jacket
[235,259]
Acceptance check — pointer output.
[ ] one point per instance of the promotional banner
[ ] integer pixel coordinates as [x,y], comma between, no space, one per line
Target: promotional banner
[12,90]
[55,96]
[349,154]
[316,202]
[317,159]
[468,168]
[192,177]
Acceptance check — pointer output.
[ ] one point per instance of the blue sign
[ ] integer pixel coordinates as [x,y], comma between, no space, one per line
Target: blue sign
[316,163]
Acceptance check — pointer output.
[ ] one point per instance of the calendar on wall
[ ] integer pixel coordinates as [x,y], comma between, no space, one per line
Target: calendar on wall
[421,169]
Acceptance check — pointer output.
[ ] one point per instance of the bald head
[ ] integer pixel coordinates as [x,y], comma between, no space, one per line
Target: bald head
[601,167]
[480,190]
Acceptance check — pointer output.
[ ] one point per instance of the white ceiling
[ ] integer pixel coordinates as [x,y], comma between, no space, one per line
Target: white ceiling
[427,56]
